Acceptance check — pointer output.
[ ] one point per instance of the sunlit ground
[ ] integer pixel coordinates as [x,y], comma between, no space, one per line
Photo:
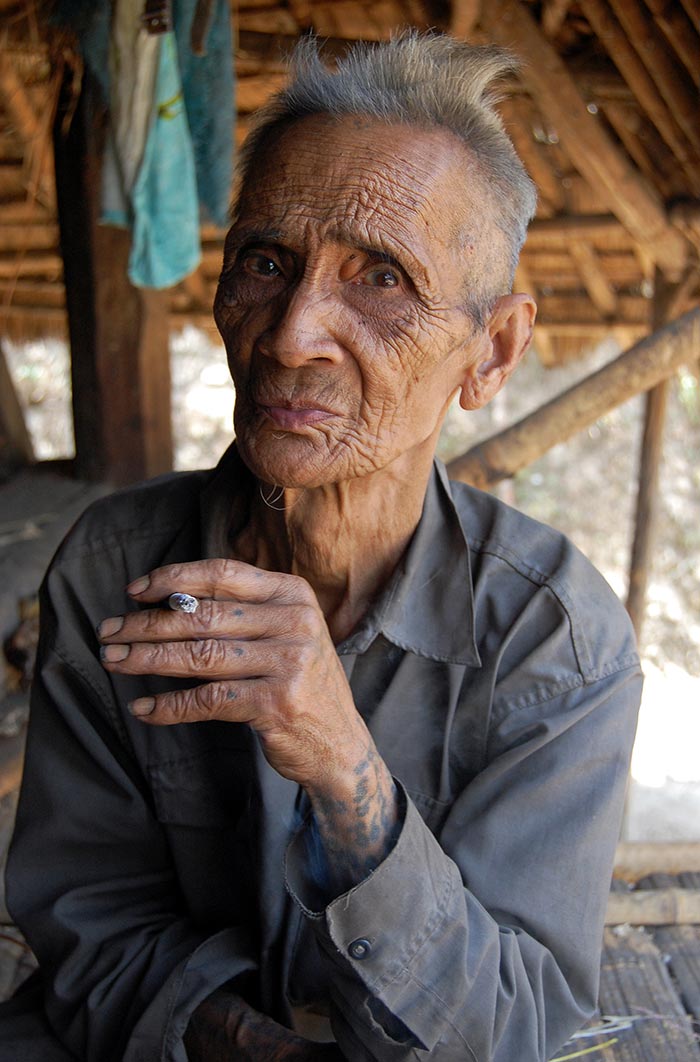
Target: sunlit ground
[585,487]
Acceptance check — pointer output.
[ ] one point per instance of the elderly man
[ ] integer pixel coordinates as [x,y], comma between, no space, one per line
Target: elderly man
[361,783]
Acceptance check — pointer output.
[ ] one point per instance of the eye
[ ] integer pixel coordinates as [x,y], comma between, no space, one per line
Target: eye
[259,264]
[382,277]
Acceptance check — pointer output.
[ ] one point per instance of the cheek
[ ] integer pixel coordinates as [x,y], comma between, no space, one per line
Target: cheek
[397,351]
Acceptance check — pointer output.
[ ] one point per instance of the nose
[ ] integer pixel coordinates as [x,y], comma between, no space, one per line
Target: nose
[304,328]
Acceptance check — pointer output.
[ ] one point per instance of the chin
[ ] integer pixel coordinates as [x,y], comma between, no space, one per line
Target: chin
[297,461]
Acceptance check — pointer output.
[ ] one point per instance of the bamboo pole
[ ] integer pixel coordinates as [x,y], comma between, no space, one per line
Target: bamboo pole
[642,367]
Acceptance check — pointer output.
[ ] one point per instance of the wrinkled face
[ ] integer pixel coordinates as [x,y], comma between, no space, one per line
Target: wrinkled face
[342,298]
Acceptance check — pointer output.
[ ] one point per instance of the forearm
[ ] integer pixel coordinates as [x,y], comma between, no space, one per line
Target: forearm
[356,821]
[224,1028]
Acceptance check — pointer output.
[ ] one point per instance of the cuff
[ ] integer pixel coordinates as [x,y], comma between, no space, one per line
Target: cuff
[375,935]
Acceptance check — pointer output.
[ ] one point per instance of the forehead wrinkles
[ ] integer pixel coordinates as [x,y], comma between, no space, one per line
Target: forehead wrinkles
[387,203]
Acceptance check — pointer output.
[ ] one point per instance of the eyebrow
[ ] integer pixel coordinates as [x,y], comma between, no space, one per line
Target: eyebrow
[411,266]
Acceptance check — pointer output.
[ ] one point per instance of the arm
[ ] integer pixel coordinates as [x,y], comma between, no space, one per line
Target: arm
[481,945]
[90,876]
[485,941]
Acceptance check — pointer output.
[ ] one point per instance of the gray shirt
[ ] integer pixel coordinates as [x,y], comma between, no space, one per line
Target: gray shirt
[498,676]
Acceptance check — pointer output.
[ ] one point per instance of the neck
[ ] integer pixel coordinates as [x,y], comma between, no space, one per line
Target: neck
[345,538]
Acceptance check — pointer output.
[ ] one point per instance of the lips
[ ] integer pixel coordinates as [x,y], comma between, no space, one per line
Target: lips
[293,417]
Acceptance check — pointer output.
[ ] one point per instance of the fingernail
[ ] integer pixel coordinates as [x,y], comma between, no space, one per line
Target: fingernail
[110,626]
[114,653]
[139,585]
[142,706]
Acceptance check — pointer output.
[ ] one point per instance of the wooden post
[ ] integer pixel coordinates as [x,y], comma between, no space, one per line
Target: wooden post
[118,334]
[649,467]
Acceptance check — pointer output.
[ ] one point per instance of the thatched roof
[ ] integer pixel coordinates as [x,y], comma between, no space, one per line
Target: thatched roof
[605,115]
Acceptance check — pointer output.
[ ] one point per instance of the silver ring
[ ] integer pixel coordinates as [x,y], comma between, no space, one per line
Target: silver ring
[183,603]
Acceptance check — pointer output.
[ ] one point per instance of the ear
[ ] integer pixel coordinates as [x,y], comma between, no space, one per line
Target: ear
[504,341]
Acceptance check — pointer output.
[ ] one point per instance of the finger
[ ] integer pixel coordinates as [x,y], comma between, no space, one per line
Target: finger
[228,701]
[221,619]
[211,658]
[220,579]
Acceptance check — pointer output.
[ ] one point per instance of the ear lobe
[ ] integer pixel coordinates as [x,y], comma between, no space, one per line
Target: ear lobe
[506,338]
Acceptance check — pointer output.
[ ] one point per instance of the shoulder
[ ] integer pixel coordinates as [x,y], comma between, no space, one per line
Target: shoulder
[153,510]
[536,586]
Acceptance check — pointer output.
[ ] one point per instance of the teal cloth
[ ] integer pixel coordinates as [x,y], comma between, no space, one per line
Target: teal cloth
[165,211]
[209,88]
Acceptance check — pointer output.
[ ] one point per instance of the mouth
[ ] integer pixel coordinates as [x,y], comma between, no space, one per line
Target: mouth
[293,416]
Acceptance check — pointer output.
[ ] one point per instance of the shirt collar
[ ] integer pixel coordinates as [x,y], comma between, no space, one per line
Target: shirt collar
[427,606]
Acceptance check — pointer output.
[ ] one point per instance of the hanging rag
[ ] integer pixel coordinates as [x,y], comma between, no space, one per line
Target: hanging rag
[163,161]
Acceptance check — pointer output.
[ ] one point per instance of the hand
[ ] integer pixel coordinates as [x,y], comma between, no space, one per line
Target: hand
[260,642]
[224,1028]
[260,645]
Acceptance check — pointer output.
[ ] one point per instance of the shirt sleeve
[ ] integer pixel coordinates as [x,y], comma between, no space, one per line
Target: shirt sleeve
[484,943]
[90,878]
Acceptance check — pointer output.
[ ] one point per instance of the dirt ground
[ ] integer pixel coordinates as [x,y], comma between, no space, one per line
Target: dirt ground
[585,487]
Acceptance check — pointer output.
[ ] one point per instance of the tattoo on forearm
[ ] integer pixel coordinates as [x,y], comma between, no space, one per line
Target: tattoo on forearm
[357,835]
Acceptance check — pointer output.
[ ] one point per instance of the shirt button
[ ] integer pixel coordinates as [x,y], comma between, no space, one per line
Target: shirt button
[359,949]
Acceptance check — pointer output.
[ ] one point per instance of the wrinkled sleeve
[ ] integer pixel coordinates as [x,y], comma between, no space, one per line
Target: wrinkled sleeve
[90,878]
[483,943]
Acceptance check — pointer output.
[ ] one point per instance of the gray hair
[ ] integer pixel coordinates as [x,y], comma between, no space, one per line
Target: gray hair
[425,80]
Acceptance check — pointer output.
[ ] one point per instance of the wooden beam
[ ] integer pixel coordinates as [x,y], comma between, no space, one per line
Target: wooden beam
[118,334]
[643,366]
[561,306]
[565,227]
[680,33]
[628,123]
[638,859]
[29,129]
[464,18]
[654,907]
[517,114]
[671,79]
[38,236]
[601,292]
[554,14]
[590,147]
[692,10]
[624,55]
[30,264]
[253,91]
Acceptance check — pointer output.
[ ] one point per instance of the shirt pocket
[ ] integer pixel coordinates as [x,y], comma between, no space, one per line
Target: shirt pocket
[204,801]
[209,787]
